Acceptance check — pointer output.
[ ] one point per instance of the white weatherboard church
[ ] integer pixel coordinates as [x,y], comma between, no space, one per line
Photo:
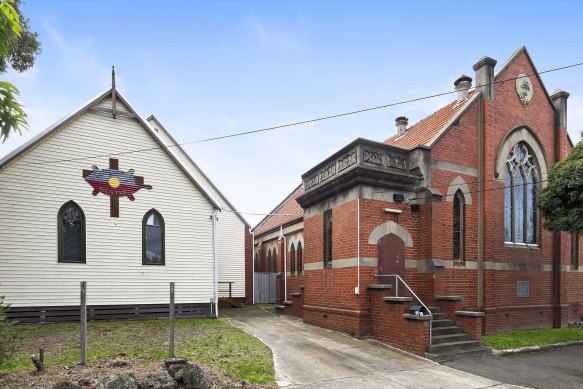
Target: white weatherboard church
[98,197]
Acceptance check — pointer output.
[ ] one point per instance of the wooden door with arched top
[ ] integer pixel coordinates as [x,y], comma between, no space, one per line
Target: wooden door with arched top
[391,257]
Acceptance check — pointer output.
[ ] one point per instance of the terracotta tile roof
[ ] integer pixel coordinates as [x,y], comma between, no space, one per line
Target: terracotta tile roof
[290,209]
[425,131]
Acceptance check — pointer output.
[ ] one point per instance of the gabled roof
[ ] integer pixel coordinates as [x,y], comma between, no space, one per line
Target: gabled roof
[428,130]
[286,212]
[177,148]
[10,157]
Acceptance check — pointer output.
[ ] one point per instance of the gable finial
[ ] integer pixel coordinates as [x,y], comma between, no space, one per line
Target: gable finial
[113,111]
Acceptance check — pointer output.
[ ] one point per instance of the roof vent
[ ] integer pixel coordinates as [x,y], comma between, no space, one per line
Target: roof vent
[401,122]
[462,86]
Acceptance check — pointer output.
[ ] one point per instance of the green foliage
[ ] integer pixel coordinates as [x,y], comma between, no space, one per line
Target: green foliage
[561,202]
[7,333]
[18,47]
[527,338]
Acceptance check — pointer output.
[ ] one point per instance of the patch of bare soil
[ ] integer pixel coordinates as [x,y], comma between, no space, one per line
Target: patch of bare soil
[96,371]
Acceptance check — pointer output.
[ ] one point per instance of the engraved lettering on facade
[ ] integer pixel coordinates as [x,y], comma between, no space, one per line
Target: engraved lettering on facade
[397,162]
[372,157]
[311,181]
[327,172]
[347,160]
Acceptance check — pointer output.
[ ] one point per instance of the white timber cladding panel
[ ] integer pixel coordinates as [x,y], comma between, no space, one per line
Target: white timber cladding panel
[230,228]
[32,189]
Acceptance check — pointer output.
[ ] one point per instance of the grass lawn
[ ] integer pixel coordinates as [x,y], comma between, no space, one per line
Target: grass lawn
[516,339]
[212,342]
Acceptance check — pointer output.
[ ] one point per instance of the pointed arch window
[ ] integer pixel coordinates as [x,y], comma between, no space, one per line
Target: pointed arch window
[521,179]
[458,225]
[71,233]
[292,256]
[153,238]
[299,256]
[269,261]
[256,265]
[274,264]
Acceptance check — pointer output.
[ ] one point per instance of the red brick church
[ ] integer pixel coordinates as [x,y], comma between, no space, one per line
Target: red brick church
[432,238]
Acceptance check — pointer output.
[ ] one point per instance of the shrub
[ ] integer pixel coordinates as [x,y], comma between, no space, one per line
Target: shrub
[7,333]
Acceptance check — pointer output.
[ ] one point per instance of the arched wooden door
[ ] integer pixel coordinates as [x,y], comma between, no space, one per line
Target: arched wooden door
[391,257]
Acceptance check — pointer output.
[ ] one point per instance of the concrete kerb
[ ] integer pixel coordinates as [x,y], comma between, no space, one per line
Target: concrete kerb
[530,349]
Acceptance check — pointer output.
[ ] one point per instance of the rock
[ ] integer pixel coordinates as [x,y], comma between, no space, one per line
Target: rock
[158,381]
[66,385]
[84,382]
[122,381]
[179,375]
[195,378]
[174,369]
[175,361]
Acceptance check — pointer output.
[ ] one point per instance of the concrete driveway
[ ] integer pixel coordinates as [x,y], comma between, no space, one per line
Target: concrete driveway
[311,357]
[562,368]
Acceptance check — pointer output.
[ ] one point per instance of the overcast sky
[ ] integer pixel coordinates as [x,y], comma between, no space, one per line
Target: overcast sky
[214,68]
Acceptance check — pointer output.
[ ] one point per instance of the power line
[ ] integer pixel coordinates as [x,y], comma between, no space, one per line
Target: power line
[301,122]
[410,199]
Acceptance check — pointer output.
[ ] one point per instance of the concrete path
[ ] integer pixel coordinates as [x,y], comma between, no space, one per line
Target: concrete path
[311,357]
[562,368]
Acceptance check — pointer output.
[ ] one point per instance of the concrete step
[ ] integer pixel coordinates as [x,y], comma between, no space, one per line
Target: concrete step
[439,315]
[438,331]
[296,294]
[279,307]
[458,337]
[434,309]
[460,354]
[443,323]
[453,346]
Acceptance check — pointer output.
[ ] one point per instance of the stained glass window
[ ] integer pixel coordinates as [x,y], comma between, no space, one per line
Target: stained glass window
[153,239]
[299,255]
[458,225]
[520,178]
[292,256]
[71,233]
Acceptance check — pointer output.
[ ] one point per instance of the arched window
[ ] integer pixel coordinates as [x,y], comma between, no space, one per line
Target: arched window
[292,259]
[269,261]
[256,264]
[458,225]
[521,178]
[274,264]
[71,233]
[153,238]
[299,255]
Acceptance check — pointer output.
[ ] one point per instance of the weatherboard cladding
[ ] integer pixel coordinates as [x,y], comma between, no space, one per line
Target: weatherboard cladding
[230,226]
[32,190]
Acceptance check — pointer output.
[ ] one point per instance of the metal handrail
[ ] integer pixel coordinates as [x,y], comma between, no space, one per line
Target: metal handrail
[397,278]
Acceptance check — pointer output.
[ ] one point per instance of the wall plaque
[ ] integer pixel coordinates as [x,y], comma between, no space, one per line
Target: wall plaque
[114,182]
[524,89]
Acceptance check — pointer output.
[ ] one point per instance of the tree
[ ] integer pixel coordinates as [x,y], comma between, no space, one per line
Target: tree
[18,47]
[561,202]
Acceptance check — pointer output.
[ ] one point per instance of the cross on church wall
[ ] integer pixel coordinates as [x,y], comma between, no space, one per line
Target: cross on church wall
[113,199]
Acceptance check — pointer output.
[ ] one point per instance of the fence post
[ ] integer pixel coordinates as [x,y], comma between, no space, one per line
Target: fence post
[171,351]
[83,319]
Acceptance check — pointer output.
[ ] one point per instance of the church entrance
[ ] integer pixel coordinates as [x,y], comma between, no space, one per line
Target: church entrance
[391,258]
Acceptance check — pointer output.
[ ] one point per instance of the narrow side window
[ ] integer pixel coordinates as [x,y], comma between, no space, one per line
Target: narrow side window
[153,238]
[71,233]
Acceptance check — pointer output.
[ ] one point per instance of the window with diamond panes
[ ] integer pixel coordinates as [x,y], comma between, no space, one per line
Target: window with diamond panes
[520,178]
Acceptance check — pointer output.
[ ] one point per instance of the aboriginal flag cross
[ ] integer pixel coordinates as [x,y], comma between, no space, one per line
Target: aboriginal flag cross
[114,183]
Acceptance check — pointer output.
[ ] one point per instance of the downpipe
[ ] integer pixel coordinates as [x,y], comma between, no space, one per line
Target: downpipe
[281,235]
[215,264]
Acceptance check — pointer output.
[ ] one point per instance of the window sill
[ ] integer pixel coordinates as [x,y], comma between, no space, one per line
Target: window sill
[459,263]
[521,246]
[72,262]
